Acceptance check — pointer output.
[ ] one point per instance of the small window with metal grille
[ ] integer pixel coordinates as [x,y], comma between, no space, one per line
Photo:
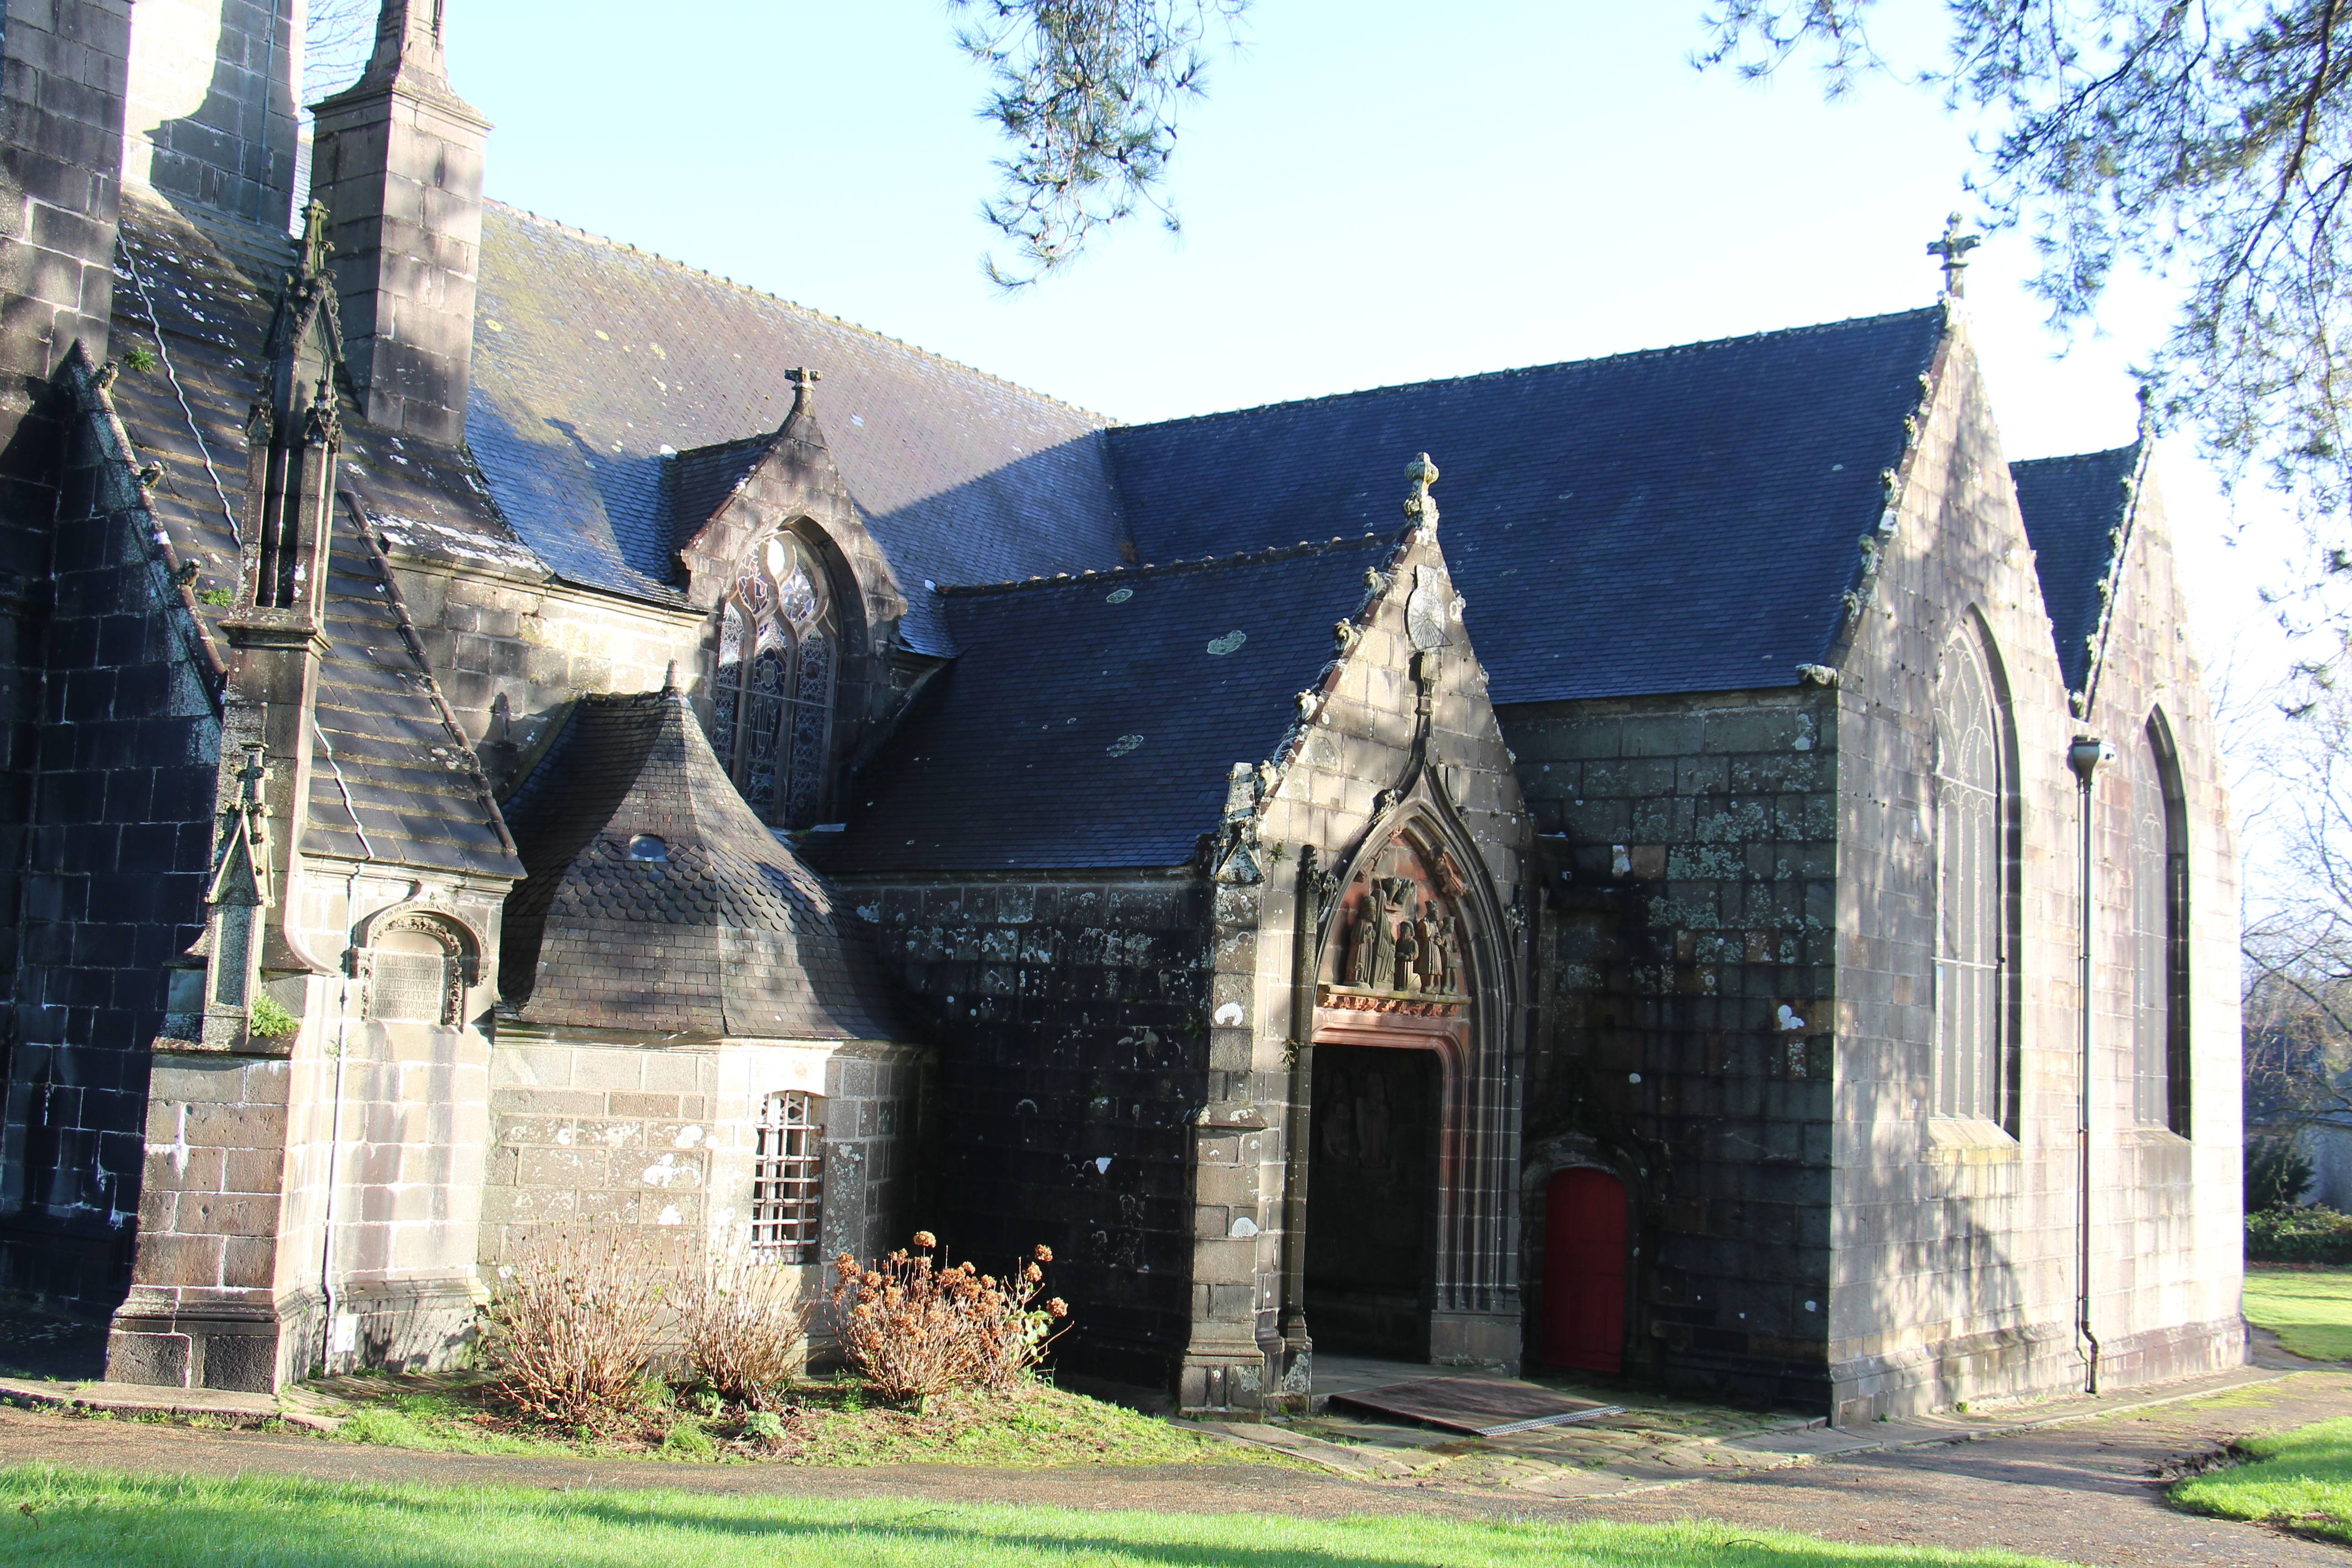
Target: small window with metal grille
[788,1178]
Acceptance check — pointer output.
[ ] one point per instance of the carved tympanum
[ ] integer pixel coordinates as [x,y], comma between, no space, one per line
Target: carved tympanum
[1399,947]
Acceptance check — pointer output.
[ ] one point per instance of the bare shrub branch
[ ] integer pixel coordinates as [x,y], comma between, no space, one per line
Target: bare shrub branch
[576,1321]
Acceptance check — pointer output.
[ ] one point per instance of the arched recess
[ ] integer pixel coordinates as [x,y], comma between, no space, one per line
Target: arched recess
[416,962]
[1545,1161]
[1418,852]
[787,624]
[1974,1057]
[2160,894]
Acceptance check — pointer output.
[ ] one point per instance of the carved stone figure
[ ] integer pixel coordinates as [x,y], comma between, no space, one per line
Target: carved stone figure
[1407,977]
[1431,932]
[1364,948]
[1383,975]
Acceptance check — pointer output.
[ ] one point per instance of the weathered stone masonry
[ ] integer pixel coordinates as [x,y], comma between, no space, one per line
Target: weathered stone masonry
[1689,887]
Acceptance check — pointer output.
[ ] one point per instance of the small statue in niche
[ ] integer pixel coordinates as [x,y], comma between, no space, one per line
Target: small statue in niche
[1407,977]
[1383,974]
[1363,949]
[1431,933]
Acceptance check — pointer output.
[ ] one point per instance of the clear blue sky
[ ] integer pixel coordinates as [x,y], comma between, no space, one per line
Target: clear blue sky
[1374,191]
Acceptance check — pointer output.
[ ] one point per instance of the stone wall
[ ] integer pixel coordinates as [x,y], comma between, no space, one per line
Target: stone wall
[586,1124]
[510,652]
[1955,1261]
[1072,1016]
[2168,1242]
[117,786]
[1691,857]
[210,120]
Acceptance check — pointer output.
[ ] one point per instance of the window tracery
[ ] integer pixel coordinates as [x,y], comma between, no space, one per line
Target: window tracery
[1971,887]
[2159,900]
[771,691]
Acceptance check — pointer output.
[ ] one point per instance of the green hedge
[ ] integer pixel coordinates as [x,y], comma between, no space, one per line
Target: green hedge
[2299,1236]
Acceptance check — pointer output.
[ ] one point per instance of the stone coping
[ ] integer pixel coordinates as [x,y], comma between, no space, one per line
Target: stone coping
[294,1407]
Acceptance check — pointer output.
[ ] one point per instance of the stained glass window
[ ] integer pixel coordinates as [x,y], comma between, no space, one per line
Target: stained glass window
[771,691]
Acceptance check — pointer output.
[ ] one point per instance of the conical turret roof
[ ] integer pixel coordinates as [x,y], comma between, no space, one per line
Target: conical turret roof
[656,900]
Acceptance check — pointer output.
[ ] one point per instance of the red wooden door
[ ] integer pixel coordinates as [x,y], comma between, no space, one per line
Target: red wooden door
[1584,1270]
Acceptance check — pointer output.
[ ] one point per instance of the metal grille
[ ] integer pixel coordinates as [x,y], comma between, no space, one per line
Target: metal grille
[788,1178]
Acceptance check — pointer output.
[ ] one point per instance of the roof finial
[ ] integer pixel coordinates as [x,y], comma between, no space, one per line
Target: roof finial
[670,679]
[315,248]
[804,381]
[1419,505]
[1954,248]
[2146,396]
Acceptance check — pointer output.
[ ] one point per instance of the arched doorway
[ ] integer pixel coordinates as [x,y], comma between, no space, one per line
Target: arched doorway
[1584,1270]
[1371,1206]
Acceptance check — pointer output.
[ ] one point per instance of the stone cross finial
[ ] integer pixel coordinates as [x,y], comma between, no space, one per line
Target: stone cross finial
[315,248]
[251,778]
[804,381]
[1418,504]
[1954,248]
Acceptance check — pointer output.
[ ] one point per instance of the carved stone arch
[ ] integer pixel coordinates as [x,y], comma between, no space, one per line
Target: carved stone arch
[415,962]
[1472,1026]
[787,633]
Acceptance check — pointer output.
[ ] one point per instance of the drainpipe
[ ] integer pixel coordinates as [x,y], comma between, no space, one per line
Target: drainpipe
[2085,757]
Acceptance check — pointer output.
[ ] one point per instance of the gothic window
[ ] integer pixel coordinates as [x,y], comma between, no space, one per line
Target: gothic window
[788,1178]
[771,695]
[1971,887]
[2159,902]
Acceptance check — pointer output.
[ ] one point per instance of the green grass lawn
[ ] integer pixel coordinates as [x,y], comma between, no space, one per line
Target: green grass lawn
[2310,1309]
[2302,1477]
[78,1519]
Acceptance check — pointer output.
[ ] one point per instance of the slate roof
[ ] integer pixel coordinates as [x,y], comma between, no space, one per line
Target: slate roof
[729,934]
[2074,508]
[1682,520]
[406,792]
[1093,721]
[590,357]
[702,478]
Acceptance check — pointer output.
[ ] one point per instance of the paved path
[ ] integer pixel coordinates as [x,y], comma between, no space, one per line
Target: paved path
[2085,1492]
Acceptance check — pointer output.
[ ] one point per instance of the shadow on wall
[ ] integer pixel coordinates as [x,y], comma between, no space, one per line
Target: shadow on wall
[226,155]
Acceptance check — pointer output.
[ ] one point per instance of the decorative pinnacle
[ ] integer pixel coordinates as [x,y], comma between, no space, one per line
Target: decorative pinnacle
[804,381]
[1954,248]
[670,679]
[315,248]
[1419,505]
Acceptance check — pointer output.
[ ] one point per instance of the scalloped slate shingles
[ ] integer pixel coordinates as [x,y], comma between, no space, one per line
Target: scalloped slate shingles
[1079,728]
[2073,507]
[730,934]
[1683,520]
[590,357]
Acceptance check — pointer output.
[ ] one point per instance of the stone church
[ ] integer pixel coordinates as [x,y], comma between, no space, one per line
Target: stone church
[503,728]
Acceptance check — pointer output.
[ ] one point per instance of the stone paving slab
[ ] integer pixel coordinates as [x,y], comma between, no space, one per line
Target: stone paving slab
[1671,1444]
[294,1407]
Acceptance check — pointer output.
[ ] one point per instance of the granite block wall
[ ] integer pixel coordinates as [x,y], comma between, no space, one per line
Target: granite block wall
[1684,1033]
[1073,1022]
[117,790]
[210,115]
[1955,1271]
[585,1125]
